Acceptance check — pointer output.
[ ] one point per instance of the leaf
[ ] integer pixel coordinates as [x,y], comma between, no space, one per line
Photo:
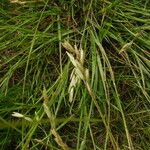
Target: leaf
[126,47]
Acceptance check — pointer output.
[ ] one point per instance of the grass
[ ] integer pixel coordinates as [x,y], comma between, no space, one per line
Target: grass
[75,75]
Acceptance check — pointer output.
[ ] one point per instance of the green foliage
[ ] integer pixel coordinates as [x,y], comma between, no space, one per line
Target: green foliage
[75,74]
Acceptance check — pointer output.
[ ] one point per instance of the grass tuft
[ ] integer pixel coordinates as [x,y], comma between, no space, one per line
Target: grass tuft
[75,75]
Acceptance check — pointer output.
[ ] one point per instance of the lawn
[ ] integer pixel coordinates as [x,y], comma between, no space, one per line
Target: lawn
[74,75]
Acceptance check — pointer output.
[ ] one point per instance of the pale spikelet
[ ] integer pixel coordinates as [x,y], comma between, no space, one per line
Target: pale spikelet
[68,47]
[18,115]
[74,80]
[78,66]
[72,59]
[76,51]
[87,74]
[79,72]
[82,56]
[17,1]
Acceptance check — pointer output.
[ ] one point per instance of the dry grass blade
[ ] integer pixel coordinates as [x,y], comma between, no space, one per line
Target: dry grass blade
[59,140]
[126,47]
[47,110]
[52,122]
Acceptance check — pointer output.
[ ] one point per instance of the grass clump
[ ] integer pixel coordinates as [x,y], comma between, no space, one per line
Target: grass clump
[75,75]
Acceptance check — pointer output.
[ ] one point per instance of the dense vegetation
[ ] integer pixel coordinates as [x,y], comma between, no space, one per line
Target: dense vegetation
[75,74]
